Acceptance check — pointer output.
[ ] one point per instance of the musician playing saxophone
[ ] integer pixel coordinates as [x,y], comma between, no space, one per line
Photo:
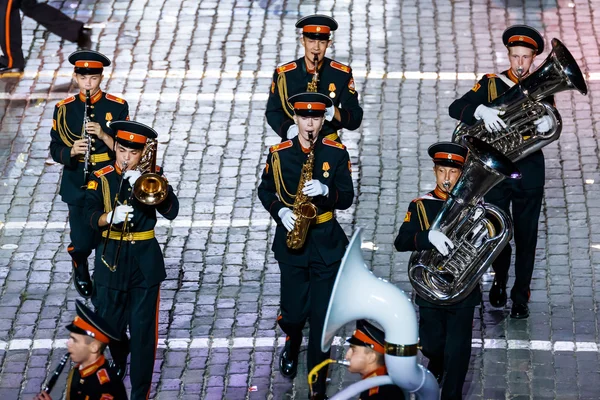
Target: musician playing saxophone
[129,265]
[445,331]
[335,80]
[69,145]
[307,273]
[524,44]
[91,378]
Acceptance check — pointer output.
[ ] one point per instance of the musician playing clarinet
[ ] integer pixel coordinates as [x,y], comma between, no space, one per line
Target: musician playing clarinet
[91,378]
[445,331]
[525,195]
[80,131]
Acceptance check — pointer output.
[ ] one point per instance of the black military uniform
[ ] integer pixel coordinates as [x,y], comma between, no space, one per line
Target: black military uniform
[67,127]
[52,19]
[334,80]
[524,194]
[367,335]
[97,381]
[308,274]
[127,292]
[445,331]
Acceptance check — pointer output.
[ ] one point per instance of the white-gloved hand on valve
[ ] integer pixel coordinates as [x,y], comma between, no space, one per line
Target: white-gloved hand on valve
[490,118]
[315,188]
[132,176]
[544,124]
[288,219]
[120,212]
[440,242]
[329,113]
[292,132]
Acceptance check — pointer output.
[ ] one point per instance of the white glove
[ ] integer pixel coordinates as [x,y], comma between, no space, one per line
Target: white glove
[544,124]
[329,113]
[288,219]
[292,132]
[490,118]
[132,176]
[120,213]
[440,242]
[315,188]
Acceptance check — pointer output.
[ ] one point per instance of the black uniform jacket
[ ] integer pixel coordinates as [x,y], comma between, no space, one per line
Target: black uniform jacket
[95,382]
[67,127]
[414,236]
[332,167]
[386,392]
[484,92]
[145,253]
[335,81]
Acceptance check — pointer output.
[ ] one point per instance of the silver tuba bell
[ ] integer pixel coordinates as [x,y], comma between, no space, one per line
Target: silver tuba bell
[522,105]
[357,294]
[479,231]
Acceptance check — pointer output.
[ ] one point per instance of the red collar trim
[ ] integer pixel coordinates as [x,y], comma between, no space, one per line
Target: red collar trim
[378,372]
[90,369]
[440,193]
[118,168]
[94,98]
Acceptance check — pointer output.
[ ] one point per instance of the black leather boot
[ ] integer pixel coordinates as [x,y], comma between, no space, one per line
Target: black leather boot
[82,280]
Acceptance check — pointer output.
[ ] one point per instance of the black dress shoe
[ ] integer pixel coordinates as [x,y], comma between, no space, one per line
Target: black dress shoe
[288,366]
[519,311]
[83,282]
[498,294]
[6,70]
[84,41]
[120,369]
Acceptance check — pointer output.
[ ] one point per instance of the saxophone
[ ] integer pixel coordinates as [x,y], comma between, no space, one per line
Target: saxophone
[304,210]
[312,85]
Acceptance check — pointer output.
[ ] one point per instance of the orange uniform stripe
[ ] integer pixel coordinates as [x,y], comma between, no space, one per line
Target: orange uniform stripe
[88,64]
[364,338]
[132,137]
[316,29]
[303,105]
[521,38]
[7,33]
[449,156]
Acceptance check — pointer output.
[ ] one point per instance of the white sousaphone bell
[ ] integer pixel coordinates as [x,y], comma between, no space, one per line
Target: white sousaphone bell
[359,294]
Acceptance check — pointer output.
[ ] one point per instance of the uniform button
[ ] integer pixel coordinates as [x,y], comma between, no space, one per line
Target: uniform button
[93,163]
[129,189]
[93,140]
[91,106]
[132,224]
[93,115]
[93,149]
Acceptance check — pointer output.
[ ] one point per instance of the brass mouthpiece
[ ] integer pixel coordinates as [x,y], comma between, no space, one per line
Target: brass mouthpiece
[446,185]
[519,71]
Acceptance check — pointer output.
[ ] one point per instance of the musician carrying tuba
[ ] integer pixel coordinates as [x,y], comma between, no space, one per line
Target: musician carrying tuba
[304,181]
[516,115]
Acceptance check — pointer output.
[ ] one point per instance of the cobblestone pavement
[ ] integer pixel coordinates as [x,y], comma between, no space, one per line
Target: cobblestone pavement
[198,71]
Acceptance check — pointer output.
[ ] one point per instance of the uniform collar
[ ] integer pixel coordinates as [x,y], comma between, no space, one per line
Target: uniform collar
[378,372]
[118,169]
[439,193]
[94,98]
[311,71]
[512,76]
[90,369]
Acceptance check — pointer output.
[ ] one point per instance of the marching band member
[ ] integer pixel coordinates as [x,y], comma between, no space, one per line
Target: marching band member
[129,262]
[445,331]
[69,145]
[366,357]
[334,80]
[307,274]
[92,378]
[524,44]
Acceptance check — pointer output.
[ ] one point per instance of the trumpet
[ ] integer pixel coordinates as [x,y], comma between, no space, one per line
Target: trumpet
[54,377]
[87,117]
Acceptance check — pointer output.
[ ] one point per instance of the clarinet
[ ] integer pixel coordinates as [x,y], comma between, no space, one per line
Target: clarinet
[56,374]
[87,118]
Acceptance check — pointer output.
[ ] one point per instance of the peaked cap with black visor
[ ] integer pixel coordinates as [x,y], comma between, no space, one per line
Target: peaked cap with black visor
[368,335]
[525,36]
[88,62]
[448,154]
[317,27]
[310,104]
[132,134]
[90,324]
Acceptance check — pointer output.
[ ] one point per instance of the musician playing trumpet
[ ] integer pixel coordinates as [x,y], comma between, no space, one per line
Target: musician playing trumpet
[91,378]
[524,44]
[129,265]
[445,331]
[314,73]
[74,135]
[310,170]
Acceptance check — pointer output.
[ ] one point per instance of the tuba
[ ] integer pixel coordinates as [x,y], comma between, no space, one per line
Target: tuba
[357,294]
[479,231]
[523,104]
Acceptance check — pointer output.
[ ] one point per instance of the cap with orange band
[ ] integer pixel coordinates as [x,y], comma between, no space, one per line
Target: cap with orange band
[318,27]
[367,335]
[310,104]
[132,134]
[524,36]
[91,324]
[448,154]
[88,62]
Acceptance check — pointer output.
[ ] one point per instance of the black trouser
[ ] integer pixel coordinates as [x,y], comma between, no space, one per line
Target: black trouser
[526,206]
[305,294]
[445,336]
[51,18]
[136,308]
[83,239]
